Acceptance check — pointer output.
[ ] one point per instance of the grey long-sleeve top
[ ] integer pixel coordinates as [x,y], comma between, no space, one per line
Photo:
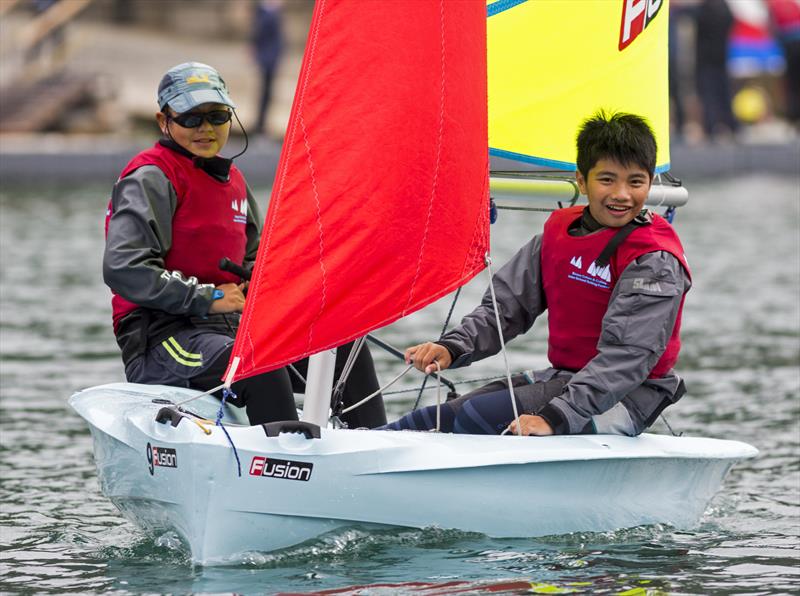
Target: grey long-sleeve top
[139,238]
[634,335]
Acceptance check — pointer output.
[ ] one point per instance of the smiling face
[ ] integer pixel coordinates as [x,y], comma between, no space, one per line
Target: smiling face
[616,193]
[206,140]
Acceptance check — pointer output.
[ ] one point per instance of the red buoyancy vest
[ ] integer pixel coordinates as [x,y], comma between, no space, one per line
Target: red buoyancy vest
[578,292]
[209,222]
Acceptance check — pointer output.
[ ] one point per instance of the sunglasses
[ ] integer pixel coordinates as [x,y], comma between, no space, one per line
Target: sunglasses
[195,119]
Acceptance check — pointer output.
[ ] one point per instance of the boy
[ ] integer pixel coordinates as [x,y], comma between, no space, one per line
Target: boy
[612,277]
[177,209]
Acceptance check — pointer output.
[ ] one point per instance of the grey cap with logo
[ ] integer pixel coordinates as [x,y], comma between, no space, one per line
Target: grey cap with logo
[190,84]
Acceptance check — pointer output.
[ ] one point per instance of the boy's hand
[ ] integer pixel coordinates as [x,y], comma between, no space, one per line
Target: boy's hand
[231,301]
[425,356]
[531,425]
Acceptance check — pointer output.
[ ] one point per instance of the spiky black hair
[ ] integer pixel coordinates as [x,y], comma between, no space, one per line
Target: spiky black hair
[625,138]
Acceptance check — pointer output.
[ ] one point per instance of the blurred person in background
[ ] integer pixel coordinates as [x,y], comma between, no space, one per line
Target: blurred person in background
[713,22]
[785,23]
[267,43]
[676,93]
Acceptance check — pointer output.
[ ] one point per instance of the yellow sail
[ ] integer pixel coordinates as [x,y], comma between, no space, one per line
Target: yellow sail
[552,63]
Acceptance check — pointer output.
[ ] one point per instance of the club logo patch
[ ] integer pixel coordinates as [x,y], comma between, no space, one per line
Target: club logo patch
[161,457]
[281,468]
[599,277]
[239,210]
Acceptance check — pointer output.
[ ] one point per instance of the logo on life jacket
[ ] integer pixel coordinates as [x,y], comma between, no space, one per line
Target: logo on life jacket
[601,272]
[636,16]
[239,210]
[281,468]
[599,277]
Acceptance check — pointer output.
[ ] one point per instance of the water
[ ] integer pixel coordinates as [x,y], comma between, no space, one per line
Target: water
[741,360]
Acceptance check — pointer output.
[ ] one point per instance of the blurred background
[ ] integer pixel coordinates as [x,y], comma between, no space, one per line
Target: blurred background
[78,79]
[78,83]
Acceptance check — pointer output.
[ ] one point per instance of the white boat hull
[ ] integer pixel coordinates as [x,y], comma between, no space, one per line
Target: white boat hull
[500,486]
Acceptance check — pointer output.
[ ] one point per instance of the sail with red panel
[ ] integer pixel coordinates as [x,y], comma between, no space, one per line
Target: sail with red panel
[380,200]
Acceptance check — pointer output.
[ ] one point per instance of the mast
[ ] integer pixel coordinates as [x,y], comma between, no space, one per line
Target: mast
[319,382]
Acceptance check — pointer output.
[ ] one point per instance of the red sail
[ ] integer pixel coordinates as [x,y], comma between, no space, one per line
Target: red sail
[380,201]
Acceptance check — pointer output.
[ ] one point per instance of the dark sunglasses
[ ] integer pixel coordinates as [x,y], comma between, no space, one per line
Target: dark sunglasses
[195,119]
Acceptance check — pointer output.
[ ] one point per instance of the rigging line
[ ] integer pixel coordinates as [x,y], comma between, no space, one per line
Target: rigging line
[438,398]
[369,397]
[539,209]
[441,335]
[297,372]
[488,261]
[337,395]
[220,414]
[664,419]
[464,382]
[348,365]
[209,392]
[395,352]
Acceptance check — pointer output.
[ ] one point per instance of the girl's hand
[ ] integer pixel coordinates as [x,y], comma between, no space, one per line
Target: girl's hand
[231,301]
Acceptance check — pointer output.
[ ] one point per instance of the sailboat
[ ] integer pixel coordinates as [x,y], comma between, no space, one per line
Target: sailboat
[380,206]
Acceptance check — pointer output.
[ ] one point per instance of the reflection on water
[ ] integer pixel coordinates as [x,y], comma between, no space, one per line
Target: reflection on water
[741,359]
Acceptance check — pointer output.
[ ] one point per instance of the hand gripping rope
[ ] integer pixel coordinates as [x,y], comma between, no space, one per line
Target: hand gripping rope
[441,335]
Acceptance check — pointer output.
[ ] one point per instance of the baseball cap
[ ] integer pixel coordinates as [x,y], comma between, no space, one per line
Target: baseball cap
[190,84]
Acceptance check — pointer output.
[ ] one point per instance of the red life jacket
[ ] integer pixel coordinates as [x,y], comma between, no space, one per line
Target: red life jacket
[209,222]
[578,292]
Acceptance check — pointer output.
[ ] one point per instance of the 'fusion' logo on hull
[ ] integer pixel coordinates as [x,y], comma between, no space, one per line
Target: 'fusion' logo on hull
[161,457]
[281,468]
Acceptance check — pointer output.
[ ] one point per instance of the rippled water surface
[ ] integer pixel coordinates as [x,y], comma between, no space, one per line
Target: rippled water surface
[741,360]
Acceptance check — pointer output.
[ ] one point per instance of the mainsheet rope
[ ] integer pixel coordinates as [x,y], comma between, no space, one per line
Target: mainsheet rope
[488,261]
[220,414]
[441,335]
[438,396]
[370,396]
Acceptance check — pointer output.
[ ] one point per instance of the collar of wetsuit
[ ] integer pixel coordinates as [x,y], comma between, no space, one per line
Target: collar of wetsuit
[218,167]
[587,224]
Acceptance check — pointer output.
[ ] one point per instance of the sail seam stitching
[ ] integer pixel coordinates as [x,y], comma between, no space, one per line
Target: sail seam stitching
[285,163]
[438,158]
[323,271]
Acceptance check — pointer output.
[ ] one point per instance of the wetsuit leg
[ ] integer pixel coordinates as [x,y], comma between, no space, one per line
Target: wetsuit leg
[424,419]
[491,413]
[267,397]
[363,381]
[486,414]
